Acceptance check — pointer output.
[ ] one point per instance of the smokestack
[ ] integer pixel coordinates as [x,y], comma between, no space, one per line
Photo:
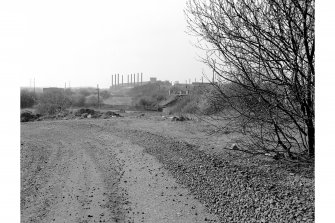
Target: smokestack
[122,79]
[115,80]
[112,80]
[128,79]
[141,78]
[138,78]
[118,79]
[134,79]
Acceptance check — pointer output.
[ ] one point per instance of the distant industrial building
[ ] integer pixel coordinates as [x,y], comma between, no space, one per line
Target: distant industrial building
[153,79]
[128,81]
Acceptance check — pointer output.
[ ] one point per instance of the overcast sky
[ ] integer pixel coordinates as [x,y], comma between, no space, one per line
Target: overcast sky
[85,42]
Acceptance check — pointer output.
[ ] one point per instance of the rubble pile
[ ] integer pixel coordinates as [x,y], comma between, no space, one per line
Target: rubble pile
[28,116]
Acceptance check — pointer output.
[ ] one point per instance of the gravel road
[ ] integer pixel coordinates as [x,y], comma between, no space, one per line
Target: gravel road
[152,170]
[78,171]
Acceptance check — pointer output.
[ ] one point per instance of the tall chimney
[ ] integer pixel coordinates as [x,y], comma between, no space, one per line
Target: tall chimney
[141,78]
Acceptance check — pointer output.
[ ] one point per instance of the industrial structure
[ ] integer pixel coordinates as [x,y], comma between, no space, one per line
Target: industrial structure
[131,80]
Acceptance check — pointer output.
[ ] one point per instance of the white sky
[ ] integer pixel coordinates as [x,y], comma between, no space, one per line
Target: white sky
[85,42]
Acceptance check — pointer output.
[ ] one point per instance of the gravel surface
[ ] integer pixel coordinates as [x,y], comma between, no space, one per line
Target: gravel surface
[67,176]
[232,187]
[77,171]
[251,191]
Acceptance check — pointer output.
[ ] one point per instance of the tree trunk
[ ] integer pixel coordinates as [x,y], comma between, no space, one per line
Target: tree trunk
[311,138]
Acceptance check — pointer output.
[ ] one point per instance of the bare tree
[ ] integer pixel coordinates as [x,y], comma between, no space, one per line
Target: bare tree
[262,54]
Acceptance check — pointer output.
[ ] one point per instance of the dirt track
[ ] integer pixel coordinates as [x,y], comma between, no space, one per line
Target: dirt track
[77,171]
[150,169]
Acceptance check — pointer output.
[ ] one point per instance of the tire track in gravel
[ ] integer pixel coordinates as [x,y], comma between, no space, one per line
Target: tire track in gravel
[92,175]
[38,184]
[83,196]
[72,187]
[152,194]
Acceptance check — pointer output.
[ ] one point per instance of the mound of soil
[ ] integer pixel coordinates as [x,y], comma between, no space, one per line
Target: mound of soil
[181,118]
[62,114]
[82,111]
[109,114]
[27,116]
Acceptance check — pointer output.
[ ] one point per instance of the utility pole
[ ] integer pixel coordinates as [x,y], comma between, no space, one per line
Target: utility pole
[98,96]
[141,78]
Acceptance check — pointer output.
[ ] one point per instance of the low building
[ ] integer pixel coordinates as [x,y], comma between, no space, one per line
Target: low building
[153,79]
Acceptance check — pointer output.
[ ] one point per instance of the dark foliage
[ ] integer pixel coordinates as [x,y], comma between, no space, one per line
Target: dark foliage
[27,99]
